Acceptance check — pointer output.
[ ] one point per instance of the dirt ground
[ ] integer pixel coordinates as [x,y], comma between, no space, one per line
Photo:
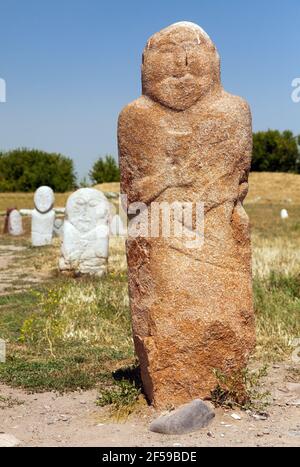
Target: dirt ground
[74,419]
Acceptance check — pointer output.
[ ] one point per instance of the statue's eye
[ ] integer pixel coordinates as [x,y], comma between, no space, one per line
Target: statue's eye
[166,50]
[80,202]
[93,203]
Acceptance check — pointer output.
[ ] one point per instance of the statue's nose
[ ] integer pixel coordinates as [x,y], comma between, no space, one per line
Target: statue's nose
[181,63]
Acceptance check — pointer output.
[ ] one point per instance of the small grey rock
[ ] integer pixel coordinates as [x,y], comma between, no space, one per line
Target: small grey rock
[188,418]
[257,416]
[294,433]
[64,418]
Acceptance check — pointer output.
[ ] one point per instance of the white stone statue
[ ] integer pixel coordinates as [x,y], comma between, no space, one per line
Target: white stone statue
[42,218]
[58,227]
[15,225]
[86,233]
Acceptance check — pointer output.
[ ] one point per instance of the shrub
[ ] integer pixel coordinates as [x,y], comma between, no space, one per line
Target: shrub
[105,170]
[27,169]
[274,151]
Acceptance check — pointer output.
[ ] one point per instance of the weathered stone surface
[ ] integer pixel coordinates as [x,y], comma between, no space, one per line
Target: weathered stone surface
[86,233]
[186,139]
[6,220]
[191,417]
[15,224]
[42,217]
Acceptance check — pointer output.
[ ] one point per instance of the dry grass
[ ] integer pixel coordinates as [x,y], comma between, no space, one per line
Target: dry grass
[113,187]
[25,200]
[277,188]
[117,263]
[280,255]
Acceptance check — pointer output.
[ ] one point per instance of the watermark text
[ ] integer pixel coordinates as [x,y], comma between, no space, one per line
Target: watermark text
[2,90]
[296,92]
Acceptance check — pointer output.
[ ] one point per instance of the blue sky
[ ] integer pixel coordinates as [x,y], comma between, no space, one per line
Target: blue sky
[71,65]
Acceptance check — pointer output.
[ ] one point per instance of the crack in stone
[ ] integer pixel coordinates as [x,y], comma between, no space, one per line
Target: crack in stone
[185,253]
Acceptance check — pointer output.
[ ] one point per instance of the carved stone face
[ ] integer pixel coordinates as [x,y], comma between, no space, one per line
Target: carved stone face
[87,208]
[44,199]
[180,66]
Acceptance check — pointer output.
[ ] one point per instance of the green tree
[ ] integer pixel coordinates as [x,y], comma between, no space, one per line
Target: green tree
[105,170]
[274,151]
[27,169]
[84,182]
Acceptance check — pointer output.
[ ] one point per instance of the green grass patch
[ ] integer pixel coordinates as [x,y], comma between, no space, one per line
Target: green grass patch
[277,305]
[68,335]
[14,309]
[124,396]
[61,374]
[122,393]
[242,390]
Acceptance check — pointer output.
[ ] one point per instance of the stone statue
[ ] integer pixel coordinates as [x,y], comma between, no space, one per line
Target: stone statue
[58,227]
[86,233]
[187,140]
[14,224]
[6,220]
[42,217]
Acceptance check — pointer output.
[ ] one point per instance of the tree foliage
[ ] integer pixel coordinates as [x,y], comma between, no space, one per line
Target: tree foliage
[105,170]
[27,169]
[274,151]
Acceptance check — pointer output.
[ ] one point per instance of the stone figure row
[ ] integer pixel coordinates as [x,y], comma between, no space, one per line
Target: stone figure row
[84,232]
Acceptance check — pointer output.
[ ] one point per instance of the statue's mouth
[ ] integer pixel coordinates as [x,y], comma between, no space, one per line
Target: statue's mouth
[181,84]
[186,78]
